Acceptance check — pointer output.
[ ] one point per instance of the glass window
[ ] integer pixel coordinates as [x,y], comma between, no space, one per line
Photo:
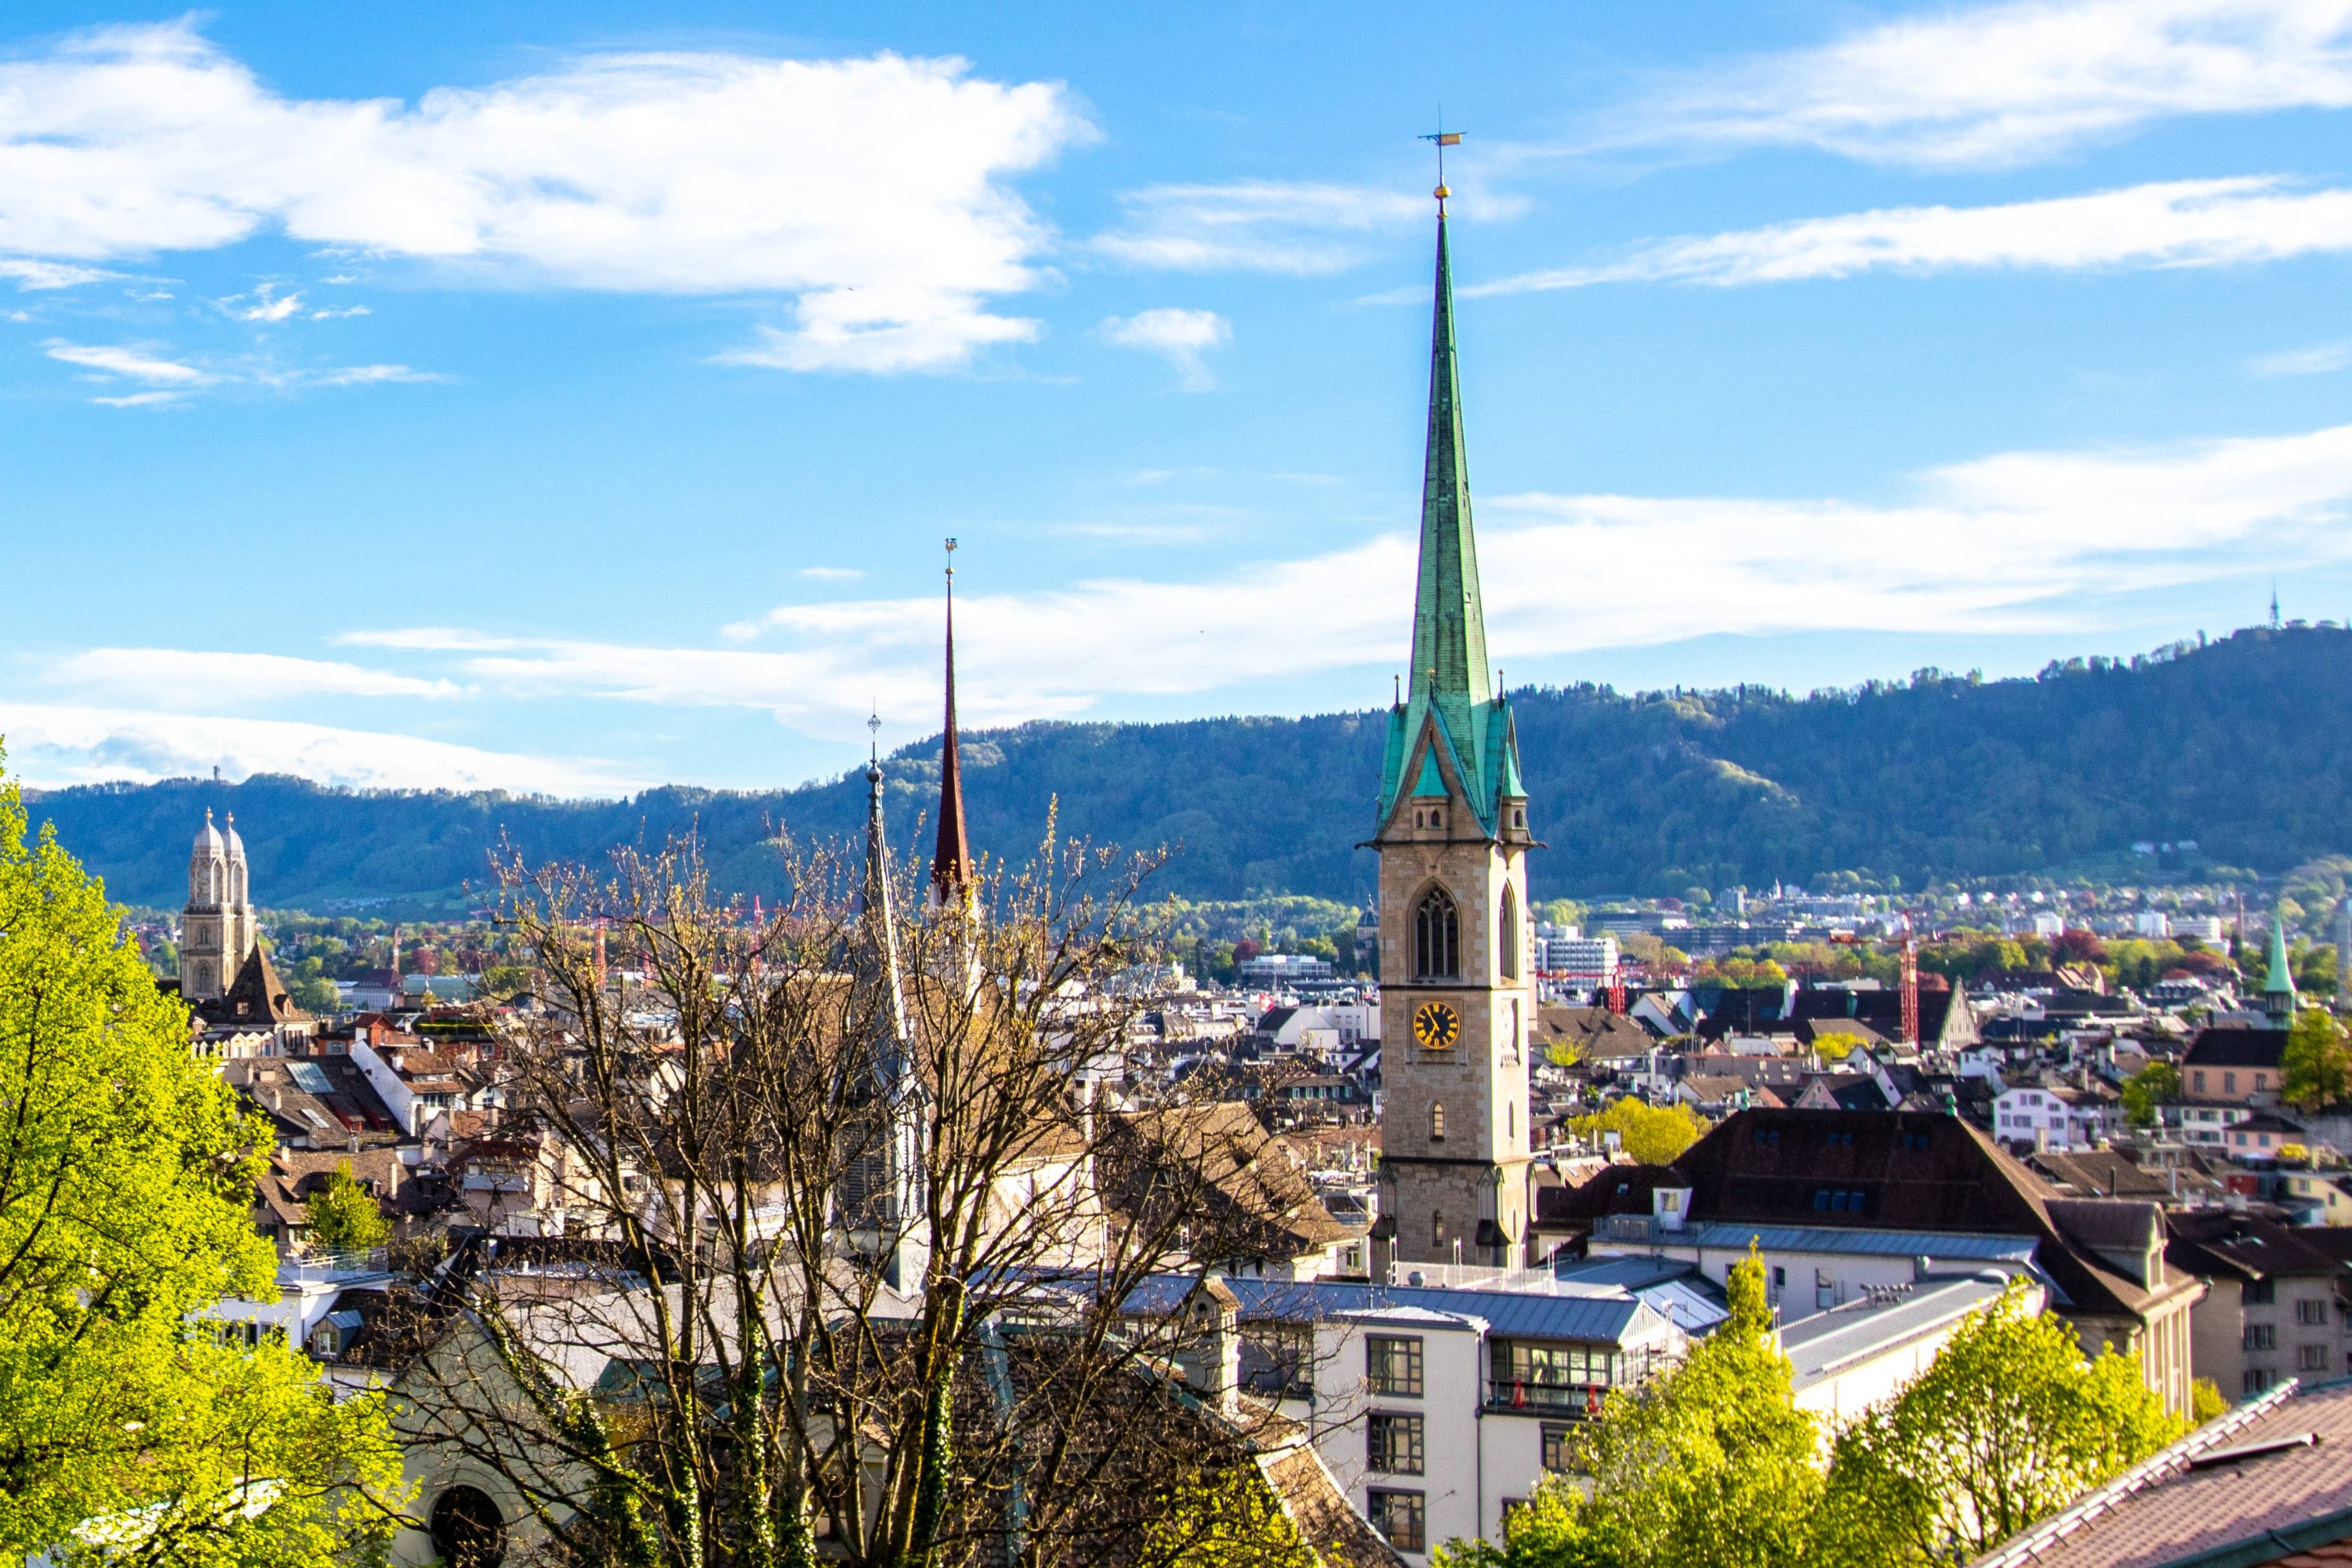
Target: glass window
[1437,937]
[1558,1448]
[1394,1444]
[2261,1336]
[1392,1364]
[1507,930]
[1400,1515]
[2260,1292]
[2313,1358]
[2311,1311]
[1437,1121]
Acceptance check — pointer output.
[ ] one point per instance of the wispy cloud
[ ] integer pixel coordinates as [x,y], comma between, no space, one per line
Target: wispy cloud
[2180,223]
[137,363]
[1261,226]
[2320,359]
[832,573]
[891,226]
[140,400]
[29,275]
[1180,337]
[264,308]
[54,744]
[2004,84]
[340,314]
[185,677]
[2013,543]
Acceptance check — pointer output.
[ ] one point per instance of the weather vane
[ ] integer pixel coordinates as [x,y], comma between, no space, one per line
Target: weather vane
[1441,138]
[874,729]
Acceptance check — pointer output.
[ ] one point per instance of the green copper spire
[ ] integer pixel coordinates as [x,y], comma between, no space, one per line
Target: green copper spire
[1451,681]
[2278,987]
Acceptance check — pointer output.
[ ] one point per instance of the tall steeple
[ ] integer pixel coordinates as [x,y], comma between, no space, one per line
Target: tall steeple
[880,928]
[886,1203]
[2278,985]
[952,860]
[1450,678]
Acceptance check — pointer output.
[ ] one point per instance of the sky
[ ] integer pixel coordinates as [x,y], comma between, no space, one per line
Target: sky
[540,397]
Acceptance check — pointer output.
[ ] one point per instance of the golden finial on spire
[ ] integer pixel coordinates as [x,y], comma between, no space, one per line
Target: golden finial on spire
[1442,139]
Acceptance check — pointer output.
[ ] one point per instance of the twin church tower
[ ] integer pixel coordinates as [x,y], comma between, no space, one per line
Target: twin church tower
[1457,995]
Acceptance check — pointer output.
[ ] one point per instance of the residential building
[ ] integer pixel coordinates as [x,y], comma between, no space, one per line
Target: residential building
[1456,993]
[1842,1202]
[2233,1064]
[2270,1311]
[1281,971]
[2053,1116]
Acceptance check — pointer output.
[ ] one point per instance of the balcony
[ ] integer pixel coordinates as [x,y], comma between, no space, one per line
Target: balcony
[1563,1401]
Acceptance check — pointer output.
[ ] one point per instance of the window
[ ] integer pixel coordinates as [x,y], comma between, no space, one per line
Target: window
[2259,1292]
[2256,1379]
[2261,1336]
[2311,1311]
[1437,937]
[1392,1365]
[2312,1358]
[1437,1121]
[2229,1083]
[1507,932]
[1437,1228]
[1394,1444]
[1400,1515]
[1559,1448]
[2197,1081]
[1780,1277]
[1511,1506]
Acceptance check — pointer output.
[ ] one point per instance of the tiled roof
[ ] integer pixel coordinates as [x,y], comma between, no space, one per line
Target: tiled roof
[2235,1046]
[2272,1478]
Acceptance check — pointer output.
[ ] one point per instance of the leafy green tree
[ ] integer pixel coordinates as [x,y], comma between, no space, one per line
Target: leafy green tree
[1226,1520]
[2315,1068]
[1653,1134]
[125,1177]
[2157,1084]
[2205,1401]
[344,1216]
[2008,1423]
[1710,1465]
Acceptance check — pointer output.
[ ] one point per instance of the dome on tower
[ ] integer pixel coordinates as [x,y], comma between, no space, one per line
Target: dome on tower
[209,840]
[235,845]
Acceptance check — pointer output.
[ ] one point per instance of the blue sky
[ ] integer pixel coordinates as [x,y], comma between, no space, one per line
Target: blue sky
[536,397]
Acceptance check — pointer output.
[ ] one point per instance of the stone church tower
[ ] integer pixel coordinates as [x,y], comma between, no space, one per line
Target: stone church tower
[1457,999]
[217,931]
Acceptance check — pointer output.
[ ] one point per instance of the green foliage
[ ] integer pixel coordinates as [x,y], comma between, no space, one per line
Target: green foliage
[2007,1425]
[1653,1134]
[1710,1465]
[2205,1401]
[1935,778]
[125,1177]
[2315,1068]
[1227,1520]
[2157,1084]
[343,1217]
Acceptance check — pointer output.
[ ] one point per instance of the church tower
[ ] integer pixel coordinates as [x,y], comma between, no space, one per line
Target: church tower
[1457,999]
[217,929]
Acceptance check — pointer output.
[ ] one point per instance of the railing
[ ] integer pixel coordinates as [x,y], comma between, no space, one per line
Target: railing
[1574,1401]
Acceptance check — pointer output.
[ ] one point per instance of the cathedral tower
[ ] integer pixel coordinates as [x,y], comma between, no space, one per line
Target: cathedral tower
[1457,999]
[217,929]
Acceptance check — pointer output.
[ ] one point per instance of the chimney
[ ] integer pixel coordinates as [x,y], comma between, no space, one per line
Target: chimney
[1211,1359]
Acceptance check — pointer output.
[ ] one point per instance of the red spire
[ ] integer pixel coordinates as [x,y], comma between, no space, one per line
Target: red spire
[951,862]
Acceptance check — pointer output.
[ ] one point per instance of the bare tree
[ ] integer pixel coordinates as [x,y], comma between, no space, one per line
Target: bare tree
[856,1205]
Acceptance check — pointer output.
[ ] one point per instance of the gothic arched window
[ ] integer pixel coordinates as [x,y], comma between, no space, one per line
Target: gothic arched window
[1437,937]
[1507,928]
[1437,1122]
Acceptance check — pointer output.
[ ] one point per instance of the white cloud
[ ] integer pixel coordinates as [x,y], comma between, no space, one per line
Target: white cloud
[871,190]
[2003,84]
[138,364]
[364,375]
[54,745]
[427,639]
[337,315]
[30,275]
[264,308]
[140,400]
[1180,337]
[1261,226]
[183,677]
[2321,359]
[832,573]
[2180,223]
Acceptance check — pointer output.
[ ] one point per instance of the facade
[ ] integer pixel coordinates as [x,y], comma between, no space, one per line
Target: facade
[1456,973]
[2270,1311]
[2049,1117]
[2231,1063]
[217,929]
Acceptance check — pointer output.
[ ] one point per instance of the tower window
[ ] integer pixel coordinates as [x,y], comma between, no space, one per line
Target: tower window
[1437,937]
[1437,1228]
[1437,1122]
[1506,927]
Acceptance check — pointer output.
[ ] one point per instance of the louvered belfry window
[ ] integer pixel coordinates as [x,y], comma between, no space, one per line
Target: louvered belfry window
[1437,937]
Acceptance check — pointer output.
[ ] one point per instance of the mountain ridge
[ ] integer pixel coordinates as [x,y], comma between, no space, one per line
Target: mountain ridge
[2242,745]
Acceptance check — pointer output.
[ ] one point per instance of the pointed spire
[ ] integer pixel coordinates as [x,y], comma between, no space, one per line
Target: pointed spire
[879,933]
[2278,986]
[1449,624]
[952,860]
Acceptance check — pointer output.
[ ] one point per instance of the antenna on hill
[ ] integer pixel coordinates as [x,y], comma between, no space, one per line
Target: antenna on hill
[2274,618]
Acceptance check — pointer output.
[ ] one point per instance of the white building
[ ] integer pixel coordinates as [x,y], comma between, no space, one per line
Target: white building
[1578,962]
[2152,924]
[2048,925]
[2059,1118]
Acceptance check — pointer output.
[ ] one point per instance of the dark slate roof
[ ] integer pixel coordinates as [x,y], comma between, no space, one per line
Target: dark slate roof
[2218,1242]
[1882,1010]
[256,998]
[1596,1030]
[2235,1046]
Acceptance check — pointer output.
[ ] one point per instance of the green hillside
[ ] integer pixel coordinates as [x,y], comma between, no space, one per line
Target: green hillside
[2244,746]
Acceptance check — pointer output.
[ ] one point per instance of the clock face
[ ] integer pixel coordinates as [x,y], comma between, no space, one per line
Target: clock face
[1436,1026]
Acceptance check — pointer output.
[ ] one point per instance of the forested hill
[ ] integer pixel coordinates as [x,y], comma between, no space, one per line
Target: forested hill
[2244,746]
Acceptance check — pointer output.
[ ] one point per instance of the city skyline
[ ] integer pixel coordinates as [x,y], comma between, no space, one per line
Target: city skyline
[492,405]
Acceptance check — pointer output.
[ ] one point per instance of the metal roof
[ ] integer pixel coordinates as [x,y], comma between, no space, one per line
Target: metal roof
[1862,1242]
[1820,1346]
[1595,1319]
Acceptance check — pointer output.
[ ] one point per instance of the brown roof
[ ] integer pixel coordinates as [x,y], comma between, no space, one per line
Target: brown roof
[2266,1478]
[1253,1178]
[2243,1247]
[256,998]
[1596,1031]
